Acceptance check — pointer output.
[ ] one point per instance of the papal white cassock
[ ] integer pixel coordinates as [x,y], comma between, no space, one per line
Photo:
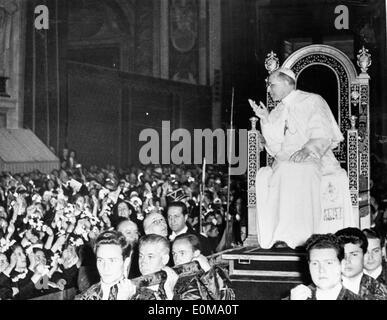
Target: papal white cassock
[295,200]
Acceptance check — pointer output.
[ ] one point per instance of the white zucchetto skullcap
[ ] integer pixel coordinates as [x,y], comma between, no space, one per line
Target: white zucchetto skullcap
[288,72]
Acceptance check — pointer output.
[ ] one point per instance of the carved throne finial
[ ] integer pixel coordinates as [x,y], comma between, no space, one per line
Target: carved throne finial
[271,62]
[253,121]
[364,59]
[353,122]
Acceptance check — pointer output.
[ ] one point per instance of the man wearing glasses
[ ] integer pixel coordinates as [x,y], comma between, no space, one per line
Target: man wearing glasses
[300,134]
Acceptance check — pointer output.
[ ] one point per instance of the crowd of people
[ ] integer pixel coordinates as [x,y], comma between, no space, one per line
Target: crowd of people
[347,265]
[51,224]
[104,231]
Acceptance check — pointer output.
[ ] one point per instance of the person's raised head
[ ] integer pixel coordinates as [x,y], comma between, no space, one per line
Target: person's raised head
[355,245]
[153,253]
[111,252]
[185,247]
[155,223]
[177,216]
[375,251]
[325,253]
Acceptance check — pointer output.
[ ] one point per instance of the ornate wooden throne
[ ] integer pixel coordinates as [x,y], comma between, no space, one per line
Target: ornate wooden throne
[350,106]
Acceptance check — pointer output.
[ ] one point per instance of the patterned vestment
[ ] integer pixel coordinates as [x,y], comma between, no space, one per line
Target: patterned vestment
[95,293]
[382,278]
[211,285]
[371,289]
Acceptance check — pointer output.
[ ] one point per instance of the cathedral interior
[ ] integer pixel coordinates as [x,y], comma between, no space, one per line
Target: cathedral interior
[104,70]
[92,75]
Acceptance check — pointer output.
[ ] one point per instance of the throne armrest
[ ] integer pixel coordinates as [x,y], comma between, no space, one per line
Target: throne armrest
[353,162]
[255,143]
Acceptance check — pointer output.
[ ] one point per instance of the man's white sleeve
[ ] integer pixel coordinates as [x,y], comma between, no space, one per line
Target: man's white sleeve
[273,131]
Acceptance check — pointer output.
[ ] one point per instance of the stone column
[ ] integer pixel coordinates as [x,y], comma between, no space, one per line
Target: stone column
[202,36]
[12,50]
[164,39]
[215,59]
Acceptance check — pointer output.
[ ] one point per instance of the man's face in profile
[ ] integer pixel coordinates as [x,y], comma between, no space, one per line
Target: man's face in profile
[374,256]
[277,87]
[353,262]
[325,268]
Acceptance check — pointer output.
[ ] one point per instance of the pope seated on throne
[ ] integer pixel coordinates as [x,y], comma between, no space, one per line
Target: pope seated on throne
[305,190]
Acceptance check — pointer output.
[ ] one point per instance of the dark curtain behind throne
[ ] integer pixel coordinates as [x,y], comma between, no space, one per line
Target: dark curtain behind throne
[321,80]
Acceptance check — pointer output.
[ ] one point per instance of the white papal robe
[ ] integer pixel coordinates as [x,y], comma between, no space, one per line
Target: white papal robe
[291,204]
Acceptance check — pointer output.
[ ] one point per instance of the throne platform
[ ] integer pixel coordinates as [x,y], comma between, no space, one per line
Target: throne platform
[261,274]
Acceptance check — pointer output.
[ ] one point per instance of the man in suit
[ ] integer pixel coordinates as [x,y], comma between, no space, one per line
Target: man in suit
[177,213]
[374,263]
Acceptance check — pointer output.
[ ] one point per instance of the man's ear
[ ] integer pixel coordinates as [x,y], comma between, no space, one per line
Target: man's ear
[165,259]
[342,263]
[186,217]
[384,252]
[196,253]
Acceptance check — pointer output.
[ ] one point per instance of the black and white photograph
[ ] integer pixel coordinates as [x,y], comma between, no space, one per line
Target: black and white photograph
[223,150]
